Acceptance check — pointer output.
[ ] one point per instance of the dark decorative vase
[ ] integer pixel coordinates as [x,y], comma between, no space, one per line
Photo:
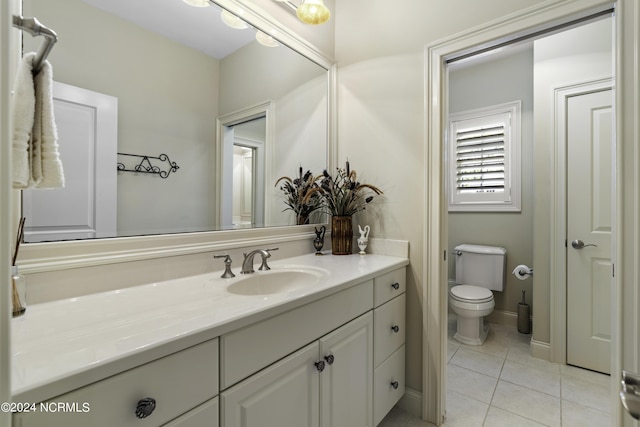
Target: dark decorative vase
[318,242]
[302,219]
[341,235]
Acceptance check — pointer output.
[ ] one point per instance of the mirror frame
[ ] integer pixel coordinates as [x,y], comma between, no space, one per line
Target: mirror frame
[53,256]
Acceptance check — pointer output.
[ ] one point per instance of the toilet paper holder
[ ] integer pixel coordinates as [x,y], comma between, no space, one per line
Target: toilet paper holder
[522,271]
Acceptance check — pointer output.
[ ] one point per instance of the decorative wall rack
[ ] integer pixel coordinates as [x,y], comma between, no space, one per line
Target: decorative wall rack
[145,165]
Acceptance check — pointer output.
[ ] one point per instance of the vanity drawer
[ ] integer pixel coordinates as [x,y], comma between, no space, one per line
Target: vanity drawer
[281,335]
[388,385]
[389,328]
[205,415]
[177,382]
[389,285]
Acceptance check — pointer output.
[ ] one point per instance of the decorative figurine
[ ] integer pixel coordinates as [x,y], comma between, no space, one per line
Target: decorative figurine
[318,242]
[363,240]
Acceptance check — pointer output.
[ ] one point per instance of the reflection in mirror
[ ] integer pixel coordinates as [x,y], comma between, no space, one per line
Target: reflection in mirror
[248,186]
[168,95]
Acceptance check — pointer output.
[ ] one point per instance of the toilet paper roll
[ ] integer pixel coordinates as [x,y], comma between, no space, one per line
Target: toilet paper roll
[522,272]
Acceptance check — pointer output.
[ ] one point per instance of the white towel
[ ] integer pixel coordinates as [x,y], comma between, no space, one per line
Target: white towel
[46,165]
[22,111]
[36,160]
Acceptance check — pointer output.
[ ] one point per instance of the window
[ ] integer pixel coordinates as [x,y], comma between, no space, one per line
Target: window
[484,153]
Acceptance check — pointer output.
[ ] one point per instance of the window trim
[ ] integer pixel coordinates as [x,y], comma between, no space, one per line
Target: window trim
[489,202]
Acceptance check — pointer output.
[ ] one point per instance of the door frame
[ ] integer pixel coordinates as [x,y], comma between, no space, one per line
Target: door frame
[626,351]
[223,185]
[558,205]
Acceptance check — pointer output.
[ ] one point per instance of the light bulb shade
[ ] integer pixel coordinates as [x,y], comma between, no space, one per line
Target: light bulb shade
[232,20]
[313,12]
[266,40]
[197,3]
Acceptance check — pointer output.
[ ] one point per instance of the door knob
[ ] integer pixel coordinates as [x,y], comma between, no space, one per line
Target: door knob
[629,395]
[579,244]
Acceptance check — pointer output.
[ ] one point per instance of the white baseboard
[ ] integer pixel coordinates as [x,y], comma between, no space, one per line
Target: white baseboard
[503,317]
[540,350]
[411,402]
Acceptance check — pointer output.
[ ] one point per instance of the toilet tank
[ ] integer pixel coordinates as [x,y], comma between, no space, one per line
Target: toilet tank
[479,265]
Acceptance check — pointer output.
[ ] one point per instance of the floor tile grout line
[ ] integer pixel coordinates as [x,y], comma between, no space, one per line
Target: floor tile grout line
[512,342]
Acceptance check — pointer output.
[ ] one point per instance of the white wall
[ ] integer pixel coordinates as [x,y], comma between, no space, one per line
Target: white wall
[381,115]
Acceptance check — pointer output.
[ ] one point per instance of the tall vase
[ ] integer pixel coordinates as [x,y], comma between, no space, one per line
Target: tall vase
[302,219]
[341,235]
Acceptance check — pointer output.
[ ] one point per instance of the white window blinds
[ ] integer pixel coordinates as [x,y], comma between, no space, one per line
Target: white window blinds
[480,159]
[484,147]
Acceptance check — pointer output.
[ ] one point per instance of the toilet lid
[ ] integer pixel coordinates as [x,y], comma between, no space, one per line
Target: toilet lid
[471,293]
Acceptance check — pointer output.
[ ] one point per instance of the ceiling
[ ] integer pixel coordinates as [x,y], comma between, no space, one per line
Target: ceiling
[198,27]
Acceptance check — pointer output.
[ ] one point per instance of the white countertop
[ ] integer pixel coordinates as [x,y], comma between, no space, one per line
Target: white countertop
[62,345]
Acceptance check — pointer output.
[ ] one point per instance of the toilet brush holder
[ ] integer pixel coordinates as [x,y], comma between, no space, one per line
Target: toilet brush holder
[524,315]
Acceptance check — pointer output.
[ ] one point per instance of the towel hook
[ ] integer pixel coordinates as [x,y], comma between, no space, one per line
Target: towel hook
[35,28]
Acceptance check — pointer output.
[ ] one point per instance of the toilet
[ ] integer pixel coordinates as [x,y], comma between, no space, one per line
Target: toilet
[479,271]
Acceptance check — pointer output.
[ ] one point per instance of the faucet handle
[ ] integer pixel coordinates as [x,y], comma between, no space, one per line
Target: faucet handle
[264,265]
[227,266]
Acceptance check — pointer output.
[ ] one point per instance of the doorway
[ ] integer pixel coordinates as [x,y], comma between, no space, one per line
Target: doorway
[437,267]
[244,155]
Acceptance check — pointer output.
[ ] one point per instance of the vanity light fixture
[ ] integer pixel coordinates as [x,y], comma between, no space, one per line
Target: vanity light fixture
[265,39]
[197,3]
[313,12]
[232,20]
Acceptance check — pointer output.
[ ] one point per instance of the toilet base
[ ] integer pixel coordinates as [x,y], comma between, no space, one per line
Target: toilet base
[471,330]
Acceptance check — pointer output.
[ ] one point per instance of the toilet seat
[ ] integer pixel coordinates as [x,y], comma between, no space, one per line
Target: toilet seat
[471,294]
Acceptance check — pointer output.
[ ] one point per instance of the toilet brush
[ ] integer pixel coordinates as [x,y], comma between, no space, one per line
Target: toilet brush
[524,313]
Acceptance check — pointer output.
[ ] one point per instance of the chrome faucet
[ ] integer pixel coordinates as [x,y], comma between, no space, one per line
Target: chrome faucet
[247,264]
[227,266]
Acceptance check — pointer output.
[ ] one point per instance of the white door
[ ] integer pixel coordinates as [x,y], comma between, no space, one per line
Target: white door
[589,196]
[87,124]
[346,383]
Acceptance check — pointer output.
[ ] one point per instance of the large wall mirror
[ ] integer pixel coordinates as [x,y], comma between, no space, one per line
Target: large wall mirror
[139,80]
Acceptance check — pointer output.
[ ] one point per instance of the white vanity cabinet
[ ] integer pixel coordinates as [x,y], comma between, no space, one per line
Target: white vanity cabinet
[331,359]
[177,383]
[389,338]
[327,383]
[351,376]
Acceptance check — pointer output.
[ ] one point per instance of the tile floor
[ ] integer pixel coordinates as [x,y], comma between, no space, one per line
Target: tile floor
[500,384]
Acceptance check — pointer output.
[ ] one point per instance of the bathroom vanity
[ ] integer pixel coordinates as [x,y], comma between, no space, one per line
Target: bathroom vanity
[315,341]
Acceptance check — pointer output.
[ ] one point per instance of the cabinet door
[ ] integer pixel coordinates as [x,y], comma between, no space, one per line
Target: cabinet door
[347,382]
[284,394]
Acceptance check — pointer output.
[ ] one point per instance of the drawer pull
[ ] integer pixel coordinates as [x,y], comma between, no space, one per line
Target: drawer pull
[320,365]
[395,328]
[395,286]
[329,359]
[145,407]
[395,385]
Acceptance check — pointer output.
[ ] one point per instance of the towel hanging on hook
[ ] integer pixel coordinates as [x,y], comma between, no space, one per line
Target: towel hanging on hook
[35,155]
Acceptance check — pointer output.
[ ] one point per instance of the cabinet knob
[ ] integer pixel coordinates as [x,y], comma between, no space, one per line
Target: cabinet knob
[395,328]
[145,407]
[320,365]
[395,286]
[395,385]
[329,359]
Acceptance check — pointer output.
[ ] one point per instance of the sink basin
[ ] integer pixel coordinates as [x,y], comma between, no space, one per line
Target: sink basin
[276,281]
